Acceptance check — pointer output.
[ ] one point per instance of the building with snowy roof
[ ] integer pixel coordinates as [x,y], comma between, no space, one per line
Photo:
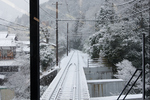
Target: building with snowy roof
[7,45]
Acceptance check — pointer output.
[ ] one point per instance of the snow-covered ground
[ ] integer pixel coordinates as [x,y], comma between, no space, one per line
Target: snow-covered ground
[70,79]
[66,59]
[129,97]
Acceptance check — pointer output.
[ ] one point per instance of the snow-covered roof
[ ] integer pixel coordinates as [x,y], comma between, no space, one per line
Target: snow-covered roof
[2,76]
[11,36]
[7,43]
[43,43]
[23,42]
[9,63]
[3,34]
[6,40]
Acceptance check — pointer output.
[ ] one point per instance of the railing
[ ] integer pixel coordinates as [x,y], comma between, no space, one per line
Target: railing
[128,84]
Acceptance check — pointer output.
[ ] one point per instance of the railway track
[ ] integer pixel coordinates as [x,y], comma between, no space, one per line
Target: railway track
[68,83]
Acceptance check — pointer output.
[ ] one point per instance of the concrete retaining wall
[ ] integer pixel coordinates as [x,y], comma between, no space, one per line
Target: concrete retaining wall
[105,87]
[47,79]
[98,73]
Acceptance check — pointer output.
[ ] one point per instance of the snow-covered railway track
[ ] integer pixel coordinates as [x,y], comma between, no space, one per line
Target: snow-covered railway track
[70,83]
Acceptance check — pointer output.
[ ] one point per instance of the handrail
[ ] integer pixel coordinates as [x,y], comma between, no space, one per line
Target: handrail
[129,82]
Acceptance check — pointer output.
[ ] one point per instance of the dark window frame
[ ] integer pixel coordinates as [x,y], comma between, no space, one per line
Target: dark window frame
[34,50]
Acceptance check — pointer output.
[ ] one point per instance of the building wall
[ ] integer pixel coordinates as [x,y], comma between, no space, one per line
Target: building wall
[7,53]
[7,94]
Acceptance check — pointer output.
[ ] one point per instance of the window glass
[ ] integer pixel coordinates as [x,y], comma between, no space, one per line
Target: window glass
[108,31]
[14,50]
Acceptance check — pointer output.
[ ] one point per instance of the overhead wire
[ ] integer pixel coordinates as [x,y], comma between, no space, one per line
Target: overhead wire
[50,16]
[125,3]
[13,27]
[13,23]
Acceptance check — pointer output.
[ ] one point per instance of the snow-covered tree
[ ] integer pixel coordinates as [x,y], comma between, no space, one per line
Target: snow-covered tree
[20,81]
[46,56]
[122,39]
[125,72]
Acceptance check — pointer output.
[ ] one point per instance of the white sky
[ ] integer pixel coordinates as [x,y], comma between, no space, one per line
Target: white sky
[10,9]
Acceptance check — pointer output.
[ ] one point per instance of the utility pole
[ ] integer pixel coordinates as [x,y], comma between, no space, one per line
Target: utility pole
[143,66]
[56,33]
[67,39]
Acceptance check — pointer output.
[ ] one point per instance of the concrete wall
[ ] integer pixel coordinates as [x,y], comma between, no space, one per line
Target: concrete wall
[107,87]
[98,73]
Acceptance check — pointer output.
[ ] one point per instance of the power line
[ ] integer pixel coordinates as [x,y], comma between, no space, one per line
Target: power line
[46,12]
[125,3]
[42,10]
[13,27]
[13,22]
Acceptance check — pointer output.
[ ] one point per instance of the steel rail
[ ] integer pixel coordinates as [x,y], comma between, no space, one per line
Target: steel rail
[79,87]
[73,87]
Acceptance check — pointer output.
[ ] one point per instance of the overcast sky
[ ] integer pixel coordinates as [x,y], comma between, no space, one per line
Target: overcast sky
[10,9]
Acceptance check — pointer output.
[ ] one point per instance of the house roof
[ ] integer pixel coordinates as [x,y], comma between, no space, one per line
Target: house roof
[6,40]
[11,36]
[3,34]
[7,43]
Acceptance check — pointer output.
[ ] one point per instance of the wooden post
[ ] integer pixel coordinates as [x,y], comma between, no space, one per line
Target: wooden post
[56,33]
[67,39]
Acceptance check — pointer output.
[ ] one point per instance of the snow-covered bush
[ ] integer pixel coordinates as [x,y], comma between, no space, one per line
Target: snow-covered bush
[46,57]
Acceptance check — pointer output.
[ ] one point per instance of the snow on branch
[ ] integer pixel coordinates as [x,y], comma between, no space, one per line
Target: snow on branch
[125,3]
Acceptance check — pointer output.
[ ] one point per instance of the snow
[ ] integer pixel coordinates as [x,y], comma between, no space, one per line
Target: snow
[6,39]
[3,34]
[133,96]
[3,87]
[9,63]
[71,75]
[7,43]
[48,71]
[2,76]
[104,80]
